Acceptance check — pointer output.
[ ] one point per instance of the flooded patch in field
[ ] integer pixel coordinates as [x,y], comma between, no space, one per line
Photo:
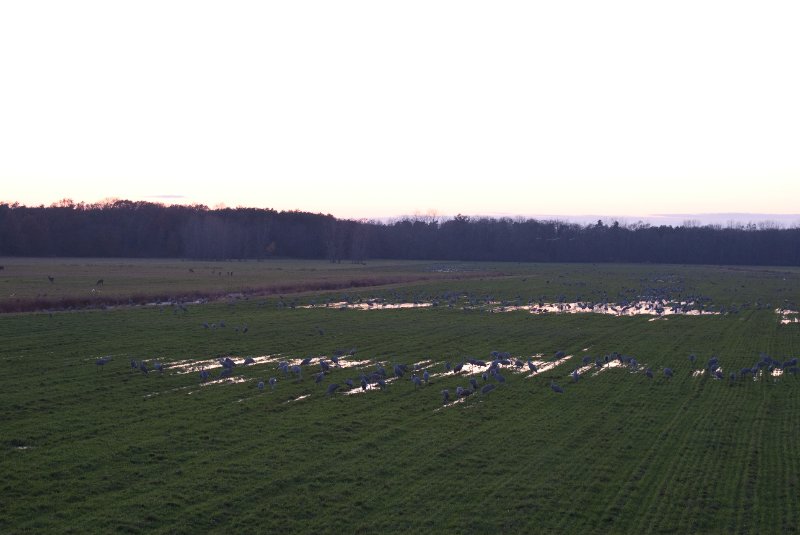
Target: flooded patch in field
[193,387]
[227,380]
[437,375]
[638,308]
[613,363]
[704,372]
[343,363]
[468,369]
[175,303]
[760,374]
[542,365]
[189,366]
[788,316]
[371,387]
[369,305]
[658,308]
[194,366]
[171,390]
[450,404]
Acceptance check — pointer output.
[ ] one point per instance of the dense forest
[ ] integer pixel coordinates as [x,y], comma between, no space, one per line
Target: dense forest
[143,229]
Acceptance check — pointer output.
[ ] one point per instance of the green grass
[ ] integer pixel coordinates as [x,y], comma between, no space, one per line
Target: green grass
[108,449]
[25,282]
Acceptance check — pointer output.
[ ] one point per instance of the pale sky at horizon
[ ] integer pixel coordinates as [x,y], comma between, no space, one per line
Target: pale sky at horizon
[376,109]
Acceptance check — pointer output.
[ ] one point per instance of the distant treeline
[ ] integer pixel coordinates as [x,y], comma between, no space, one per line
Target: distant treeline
[144,229]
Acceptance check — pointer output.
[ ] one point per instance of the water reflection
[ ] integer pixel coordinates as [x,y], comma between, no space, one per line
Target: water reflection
[371,387]
[450,404]
[544,366]
[658,308]
[226,380]
[788,316]
[612,363]
[372,304]
[189,366]
[638,308]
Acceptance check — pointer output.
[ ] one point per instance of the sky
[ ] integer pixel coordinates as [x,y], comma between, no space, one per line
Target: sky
[373,109]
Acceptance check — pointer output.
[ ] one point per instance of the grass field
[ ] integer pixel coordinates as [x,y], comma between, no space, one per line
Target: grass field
[89,448]
[25,283]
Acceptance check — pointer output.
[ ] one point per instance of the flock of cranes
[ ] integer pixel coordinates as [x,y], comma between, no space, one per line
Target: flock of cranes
[481,376]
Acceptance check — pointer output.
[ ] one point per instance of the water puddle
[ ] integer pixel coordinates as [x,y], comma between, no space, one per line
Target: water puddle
[224,380]
[371,387]
[190,366]
[639,308]
[613,363]
[760,374]
[476,368]
[343,363]
[171,390]
[468,369]
[175,303]
[788,316]
[227,380]
[658,308]
[450,404]
[194,366]
[543,365]
[372,304]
